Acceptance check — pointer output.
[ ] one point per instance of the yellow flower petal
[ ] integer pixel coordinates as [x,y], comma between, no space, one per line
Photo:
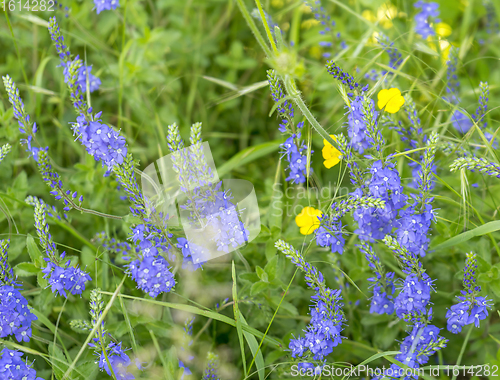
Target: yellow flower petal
[331,162]
[308,220]
[390,100]
[331,154]
[443,29]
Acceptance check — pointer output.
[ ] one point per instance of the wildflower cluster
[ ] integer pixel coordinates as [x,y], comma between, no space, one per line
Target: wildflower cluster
[359,138]
[472,308]
[62,276]
[147,268]
[119,248]
[206,205]
[150,270]
[15,314]
[13,367]
[211,368]
[427,15]
[415,220]
[411,304]
[112,357]
[393,53]
[476,164]
[106,5]
[422,342]
[83,74]
[382,301]
[343,77]
[483,104]
[101,141]
[384,184]
[4,150]
[40,155]
[329,233]
[327,25]
[327,318]
[293,148]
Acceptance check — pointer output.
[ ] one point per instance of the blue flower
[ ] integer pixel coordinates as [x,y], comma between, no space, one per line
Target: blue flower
[293,148]
[327,317]
[382,302]
[461,122]
[101,141]
[428,13]
[65,278]
[327,25]
[211,368]
[330,235]
[356,130]
[12,367]
[472,308]
[152,275]
[83,71]
[105,5]
[119,361]
[385,184]
[414,296]
[15,314]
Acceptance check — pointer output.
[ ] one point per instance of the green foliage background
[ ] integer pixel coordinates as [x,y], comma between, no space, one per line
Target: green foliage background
[186,61]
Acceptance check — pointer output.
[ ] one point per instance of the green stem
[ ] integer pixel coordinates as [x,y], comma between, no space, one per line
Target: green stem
[94,330]
[459,359]
[266,26]
[17,48]
[292,91]
[253,27]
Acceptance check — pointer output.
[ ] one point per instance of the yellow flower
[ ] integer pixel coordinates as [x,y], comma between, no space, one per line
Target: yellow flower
[443,29]
[331,154]
[308,220]
[385,14]
[390,100]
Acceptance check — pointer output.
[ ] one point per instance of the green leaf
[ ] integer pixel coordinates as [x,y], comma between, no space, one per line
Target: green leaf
[275,212]
[272,268]
[42,282]
[206,313]
[426,49]
[467,235]
[258,287]
[35,254]
[59,361]
[248,155]
[26,270]
[237,318]
[262,274]
[254,347]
